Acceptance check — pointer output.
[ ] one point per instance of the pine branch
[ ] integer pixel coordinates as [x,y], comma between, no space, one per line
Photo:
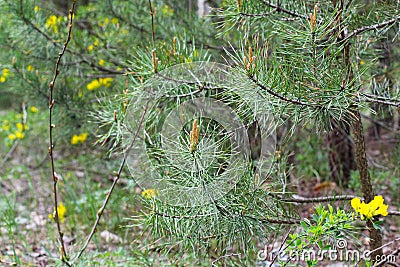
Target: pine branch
[370,27]
[269,91]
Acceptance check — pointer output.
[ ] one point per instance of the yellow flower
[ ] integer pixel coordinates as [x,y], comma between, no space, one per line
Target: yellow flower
[30,68]
[2,79]
[93,85]
[149,193]
[101,62]
[36,8]
[75,139]
[83,137]
[12,137]
[106,81]
[96,42]
[52,21]
[62,210]
[19,135]
[34,109]
[107,20]
[90,48]
[5,72]
[114,20]
[362,62]
[78,139]
[97,83]
[167,11]
[377,207]
[20,126]
[6,126]
[374,208]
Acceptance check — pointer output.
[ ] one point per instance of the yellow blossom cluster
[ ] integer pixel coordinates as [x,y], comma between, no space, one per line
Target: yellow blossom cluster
[78,138]
[97,83]
[52,23]
[4,75]
[16,132]
[92,46]
[107,21]
[30,68]
[167,11]
[62,211]
[373,208]
[36,9]
[149,193]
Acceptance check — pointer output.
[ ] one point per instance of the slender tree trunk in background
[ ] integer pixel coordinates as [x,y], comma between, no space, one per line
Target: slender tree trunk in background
[341,154]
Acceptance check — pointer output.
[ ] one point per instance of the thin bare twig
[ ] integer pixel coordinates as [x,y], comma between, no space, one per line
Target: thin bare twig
[64,256]
[152,23]
[9,153]
[370,27]
[395,252]
[299,199]
[381,100]
[280,249]
[110,191]
[394,212]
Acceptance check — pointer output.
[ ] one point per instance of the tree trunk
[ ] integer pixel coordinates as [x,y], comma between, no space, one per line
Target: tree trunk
[341,154]
[366,186]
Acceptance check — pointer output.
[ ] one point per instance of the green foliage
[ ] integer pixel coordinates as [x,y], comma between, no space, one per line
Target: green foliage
[304,64]
[323,232]
[311,161]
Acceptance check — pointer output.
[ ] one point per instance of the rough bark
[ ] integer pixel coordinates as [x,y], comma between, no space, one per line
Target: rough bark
[365,179]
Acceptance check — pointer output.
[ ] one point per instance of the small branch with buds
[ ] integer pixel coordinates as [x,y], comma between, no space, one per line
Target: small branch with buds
[63,253]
